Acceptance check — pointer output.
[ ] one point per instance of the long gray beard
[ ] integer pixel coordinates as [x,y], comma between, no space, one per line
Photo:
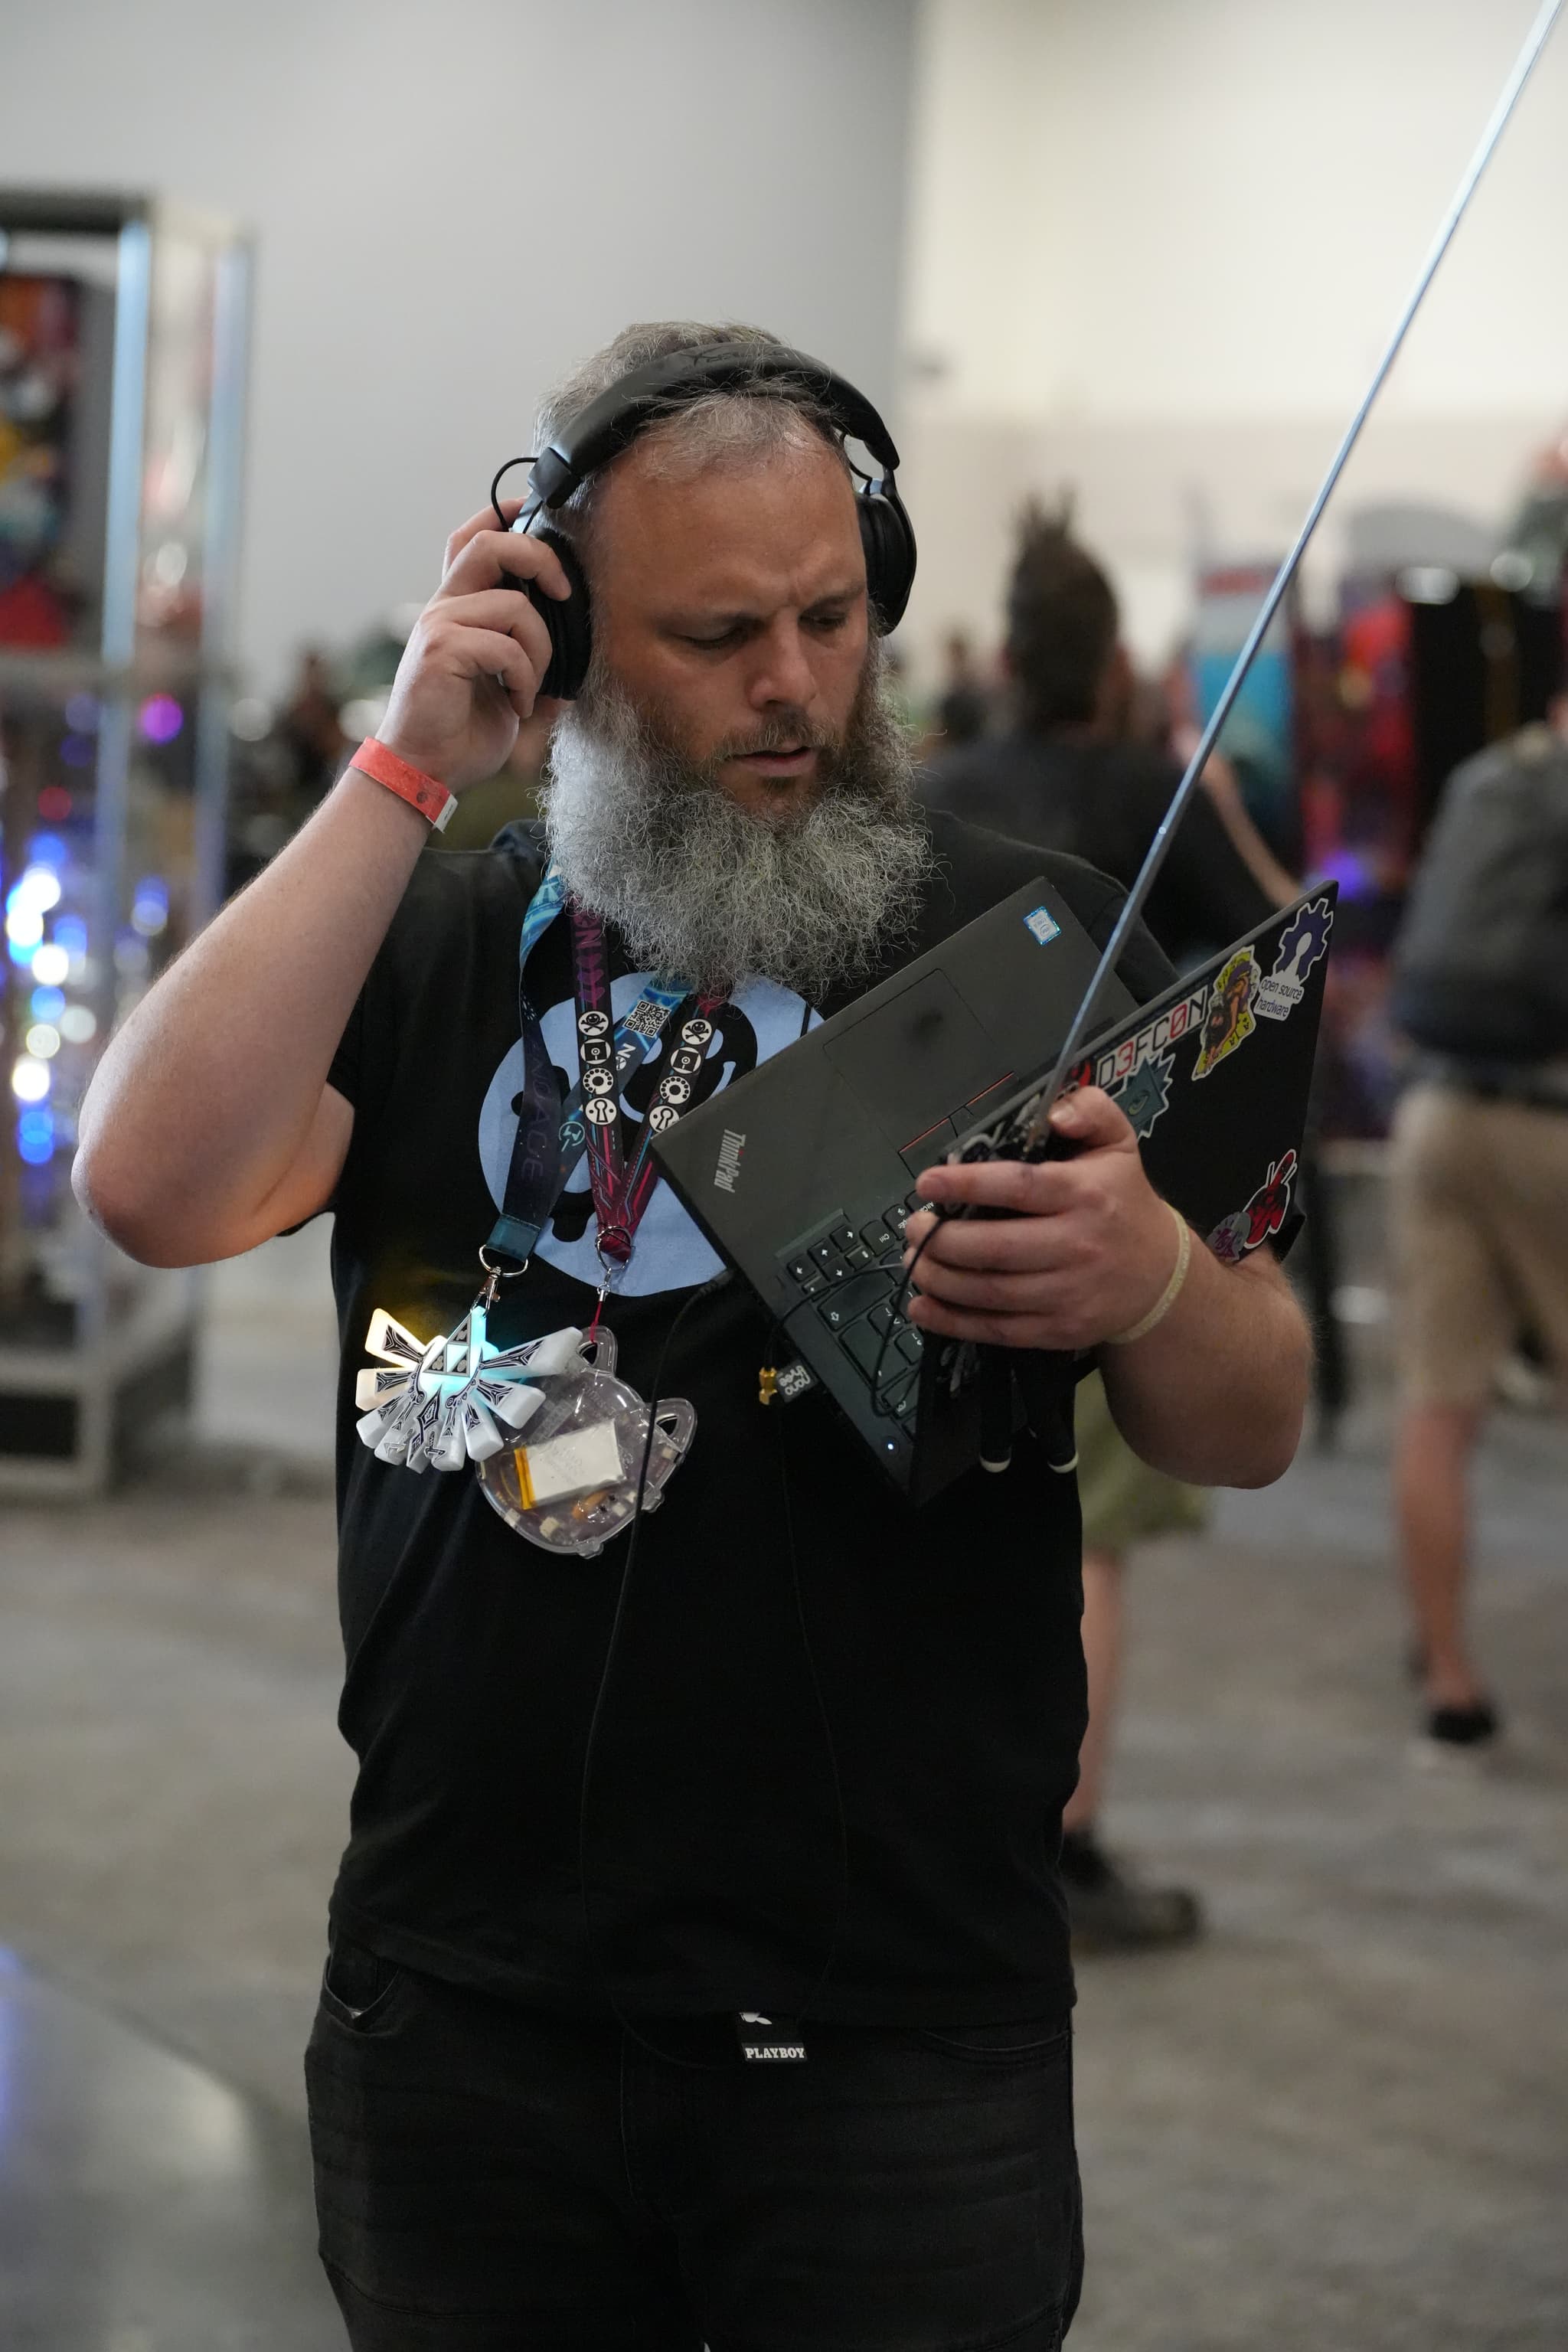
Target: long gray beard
[699,887]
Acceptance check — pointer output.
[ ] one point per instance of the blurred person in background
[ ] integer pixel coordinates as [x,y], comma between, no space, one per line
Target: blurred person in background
[532,2114]
[1070,775]
[1477,1174]
[962,707]
[308,727]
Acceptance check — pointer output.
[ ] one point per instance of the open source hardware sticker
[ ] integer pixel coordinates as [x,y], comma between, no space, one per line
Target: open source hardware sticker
[1303,943]
[1137,1074]
[1228,1020]
[1247,1229]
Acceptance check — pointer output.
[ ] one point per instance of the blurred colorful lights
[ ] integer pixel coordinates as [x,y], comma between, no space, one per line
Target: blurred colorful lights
[36,1136]
[77,1025]
[34,894]
[43,1041]
[56,803]
[81,713]
[70,934]
[150,905]
[46,1004]
[161,718]
[29,1078]
[51,963]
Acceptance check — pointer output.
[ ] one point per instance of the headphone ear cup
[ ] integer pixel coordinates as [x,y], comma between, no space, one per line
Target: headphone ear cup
[888,537]
[568,622]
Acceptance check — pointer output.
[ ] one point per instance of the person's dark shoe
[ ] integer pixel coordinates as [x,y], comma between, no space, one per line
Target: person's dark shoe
[1459,1734]
[1111,1909]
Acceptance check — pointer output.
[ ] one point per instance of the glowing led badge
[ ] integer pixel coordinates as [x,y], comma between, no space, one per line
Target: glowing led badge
[438,1405]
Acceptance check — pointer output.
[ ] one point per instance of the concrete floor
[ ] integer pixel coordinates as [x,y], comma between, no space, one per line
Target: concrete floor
[1341,2121]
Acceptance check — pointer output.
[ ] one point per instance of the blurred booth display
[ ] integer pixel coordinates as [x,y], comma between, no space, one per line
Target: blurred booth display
[1343,743]
[1258,737]
[121,359]
[1425,668]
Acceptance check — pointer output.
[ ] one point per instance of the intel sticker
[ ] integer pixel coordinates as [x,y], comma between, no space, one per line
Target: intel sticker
[1042,924]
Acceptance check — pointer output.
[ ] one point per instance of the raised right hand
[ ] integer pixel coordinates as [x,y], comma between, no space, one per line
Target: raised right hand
[471,670]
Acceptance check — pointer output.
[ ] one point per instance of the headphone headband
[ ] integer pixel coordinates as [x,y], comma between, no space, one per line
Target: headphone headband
[612,422]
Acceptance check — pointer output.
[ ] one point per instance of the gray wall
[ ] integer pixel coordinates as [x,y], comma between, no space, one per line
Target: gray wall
[452,202]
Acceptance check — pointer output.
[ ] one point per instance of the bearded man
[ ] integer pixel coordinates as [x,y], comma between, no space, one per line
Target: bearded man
[827,1769]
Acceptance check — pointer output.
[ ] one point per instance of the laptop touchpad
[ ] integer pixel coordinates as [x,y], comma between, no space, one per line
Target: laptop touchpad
[913,1060]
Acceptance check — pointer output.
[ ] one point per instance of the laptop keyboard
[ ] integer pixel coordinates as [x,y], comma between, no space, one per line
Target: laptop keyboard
[853,1275]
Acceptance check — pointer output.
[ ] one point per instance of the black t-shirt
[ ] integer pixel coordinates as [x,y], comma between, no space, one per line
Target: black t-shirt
[1104,803]
[943,1659]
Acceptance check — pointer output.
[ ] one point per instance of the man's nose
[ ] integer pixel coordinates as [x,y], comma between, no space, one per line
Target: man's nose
[782,671]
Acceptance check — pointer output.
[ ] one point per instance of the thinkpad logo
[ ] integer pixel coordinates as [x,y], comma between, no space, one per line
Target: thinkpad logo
[731,1151]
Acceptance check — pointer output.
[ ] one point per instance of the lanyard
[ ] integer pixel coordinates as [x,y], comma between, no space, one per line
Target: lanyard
[622,1190]
[551,1135]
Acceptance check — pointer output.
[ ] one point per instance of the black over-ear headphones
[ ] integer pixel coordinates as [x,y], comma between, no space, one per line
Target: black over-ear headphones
[610,424]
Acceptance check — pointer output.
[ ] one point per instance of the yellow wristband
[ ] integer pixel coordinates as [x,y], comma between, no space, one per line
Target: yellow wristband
[1171,1292]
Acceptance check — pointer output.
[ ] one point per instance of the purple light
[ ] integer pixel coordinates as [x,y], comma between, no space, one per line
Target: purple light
[78,750]
[1351,872]
[161,719]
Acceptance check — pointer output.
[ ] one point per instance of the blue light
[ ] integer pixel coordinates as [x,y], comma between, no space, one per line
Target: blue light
[76,751]
[47,849]
[47,1003]
[81,713]
[70,934]
[35,1138]
[24,956]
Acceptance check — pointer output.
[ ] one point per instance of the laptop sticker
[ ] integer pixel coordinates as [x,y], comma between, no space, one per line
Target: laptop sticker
[1121,1061]
[1146,1093]
[1228,1022]
[1235,1236]
[1303,943]
[1042,925]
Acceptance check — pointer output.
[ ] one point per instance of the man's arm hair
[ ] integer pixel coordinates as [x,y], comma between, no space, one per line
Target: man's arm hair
[1215,1393]
[209,1124]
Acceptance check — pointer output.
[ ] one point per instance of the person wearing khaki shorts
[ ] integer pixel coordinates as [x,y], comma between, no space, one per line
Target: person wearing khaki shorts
[1124,1502]
[1477,1181]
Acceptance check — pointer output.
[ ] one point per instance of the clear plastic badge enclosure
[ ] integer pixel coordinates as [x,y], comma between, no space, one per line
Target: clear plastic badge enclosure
[587,1436]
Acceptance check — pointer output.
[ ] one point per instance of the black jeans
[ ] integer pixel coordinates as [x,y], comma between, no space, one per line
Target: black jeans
[487,2177]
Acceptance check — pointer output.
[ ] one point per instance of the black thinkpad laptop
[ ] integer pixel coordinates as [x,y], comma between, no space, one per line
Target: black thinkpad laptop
[802,1173]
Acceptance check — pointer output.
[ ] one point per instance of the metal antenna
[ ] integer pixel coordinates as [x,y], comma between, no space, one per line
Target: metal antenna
[1540,33]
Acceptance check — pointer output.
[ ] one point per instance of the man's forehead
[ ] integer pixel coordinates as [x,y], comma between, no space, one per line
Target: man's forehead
[730,527]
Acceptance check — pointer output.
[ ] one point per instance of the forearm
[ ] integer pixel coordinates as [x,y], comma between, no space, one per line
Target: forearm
[204,1097]
[1217,1391]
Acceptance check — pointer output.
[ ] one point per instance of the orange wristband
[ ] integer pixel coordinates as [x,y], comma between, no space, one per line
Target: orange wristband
[411,784]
